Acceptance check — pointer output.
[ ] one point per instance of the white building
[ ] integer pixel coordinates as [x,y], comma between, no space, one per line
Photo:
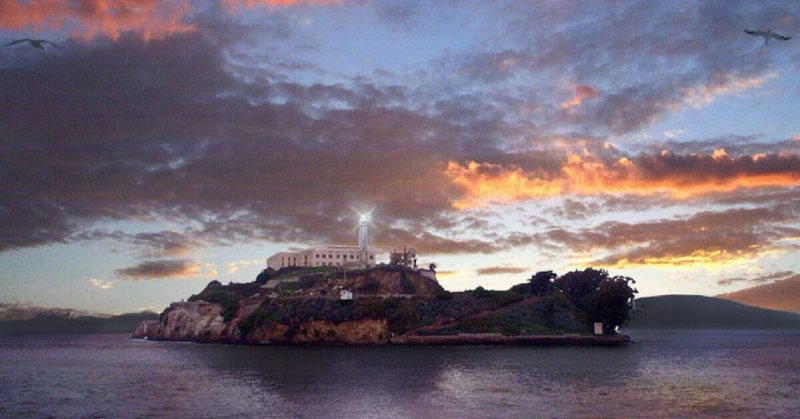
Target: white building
[345,295]
[360,255]
[322,256]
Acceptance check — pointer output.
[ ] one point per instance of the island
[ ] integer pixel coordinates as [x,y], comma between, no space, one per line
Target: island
[397,305]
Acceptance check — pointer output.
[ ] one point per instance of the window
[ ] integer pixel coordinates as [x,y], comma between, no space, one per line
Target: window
[323,256]
[317,256]
[330,256]
[337,256]
[372,256]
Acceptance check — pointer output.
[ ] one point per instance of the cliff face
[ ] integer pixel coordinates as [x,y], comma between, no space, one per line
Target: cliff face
[203,322]
[194,321]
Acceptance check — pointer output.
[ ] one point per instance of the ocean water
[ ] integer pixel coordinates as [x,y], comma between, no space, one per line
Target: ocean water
[664,374]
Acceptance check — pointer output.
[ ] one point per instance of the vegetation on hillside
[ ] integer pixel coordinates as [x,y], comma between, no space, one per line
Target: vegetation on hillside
[545,304]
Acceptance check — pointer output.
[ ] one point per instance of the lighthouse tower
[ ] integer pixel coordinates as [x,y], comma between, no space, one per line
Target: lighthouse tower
[362,239]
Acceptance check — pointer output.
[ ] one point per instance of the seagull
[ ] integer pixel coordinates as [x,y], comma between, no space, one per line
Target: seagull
[767,35]
[36,43]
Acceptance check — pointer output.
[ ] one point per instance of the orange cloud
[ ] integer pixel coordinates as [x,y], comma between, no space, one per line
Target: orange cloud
[152,19]
[235,4]
[723,84]
[582,92]
[678,176]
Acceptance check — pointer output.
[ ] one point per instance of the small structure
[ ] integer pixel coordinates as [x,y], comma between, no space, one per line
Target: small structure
[346,295]
[598,328]
[407,258]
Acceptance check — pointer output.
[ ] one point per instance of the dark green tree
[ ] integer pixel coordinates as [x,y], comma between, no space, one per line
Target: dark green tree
[612,302]
[265,275]
[541,283]
[600,297]
[578,285]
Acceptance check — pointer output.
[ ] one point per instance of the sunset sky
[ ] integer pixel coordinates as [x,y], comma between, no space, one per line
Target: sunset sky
[169,143]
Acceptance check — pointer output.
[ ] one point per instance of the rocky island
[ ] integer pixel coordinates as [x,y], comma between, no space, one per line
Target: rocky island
[397,305]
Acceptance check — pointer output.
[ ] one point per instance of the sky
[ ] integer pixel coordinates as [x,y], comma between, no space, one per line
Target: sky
[165,144]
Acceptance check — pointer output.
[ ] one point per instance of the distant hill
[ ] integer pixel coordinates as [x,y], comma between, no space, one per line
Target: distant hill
[50,323]
[779,295]
[699,312]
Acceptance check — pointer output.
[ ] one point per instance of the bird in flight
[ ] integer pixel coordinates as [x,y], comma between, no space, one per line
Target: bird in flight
[767,35]
[35,43]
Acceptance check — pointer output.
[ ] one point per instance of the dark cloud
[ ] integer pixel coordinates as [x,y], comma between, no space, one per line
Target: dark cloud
[159,269]
[163,243]
[210,127]
[497,270]
[429,243]
[706,237]
[757,279]
[161,129]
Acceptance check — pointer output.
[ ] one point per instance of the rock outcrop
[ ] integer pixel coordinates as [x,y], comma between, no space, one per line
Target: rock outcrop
[192,321]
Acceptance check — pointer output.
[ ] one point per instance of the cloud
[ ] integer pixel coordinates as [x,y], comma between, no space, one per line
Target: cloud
[678,176]
[757,280]
[724,84]
[649,59]
[707,238]
[190,145]
[233,4]
[582,92]
[165,243]
[234,267]
[197,127]
[152,19]
[498,270]
[779,295]
[101,284]
[429,243]
[168,269]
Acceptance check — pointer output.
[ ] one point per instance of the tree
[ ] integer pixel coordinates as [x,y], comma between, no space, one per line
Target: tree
[601,298]
[577,285]
[541,283]
[265,275]
[612,302]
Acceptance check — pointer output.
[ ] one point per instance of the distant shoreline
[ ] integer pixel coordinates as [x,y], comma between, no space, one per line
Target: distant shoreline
[463,339]
[515,340]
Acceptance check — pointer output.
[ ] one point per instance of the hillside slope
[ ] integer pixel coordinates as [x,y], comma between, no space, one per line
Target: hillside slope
[779,295]
[50,323]
[699,312]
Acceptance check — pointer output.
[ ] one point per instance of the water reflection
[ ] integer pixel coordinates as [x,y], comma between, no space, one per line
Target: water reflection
[666,374]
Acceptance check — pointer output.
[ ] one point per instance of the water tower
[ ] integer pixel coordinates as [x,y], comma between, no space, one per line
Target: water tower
[362,239]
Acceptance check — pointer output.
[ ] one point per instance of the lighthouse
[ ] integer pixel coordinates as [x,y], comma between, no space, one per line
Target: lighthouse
[362,239]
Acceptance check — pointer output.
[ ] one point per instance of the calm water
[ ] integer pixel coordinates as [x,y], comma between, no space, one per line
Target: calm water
[747,374]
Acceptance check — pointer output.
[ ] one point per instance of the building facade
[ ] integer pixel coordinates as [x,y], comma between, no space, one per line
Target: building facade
[323,256]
